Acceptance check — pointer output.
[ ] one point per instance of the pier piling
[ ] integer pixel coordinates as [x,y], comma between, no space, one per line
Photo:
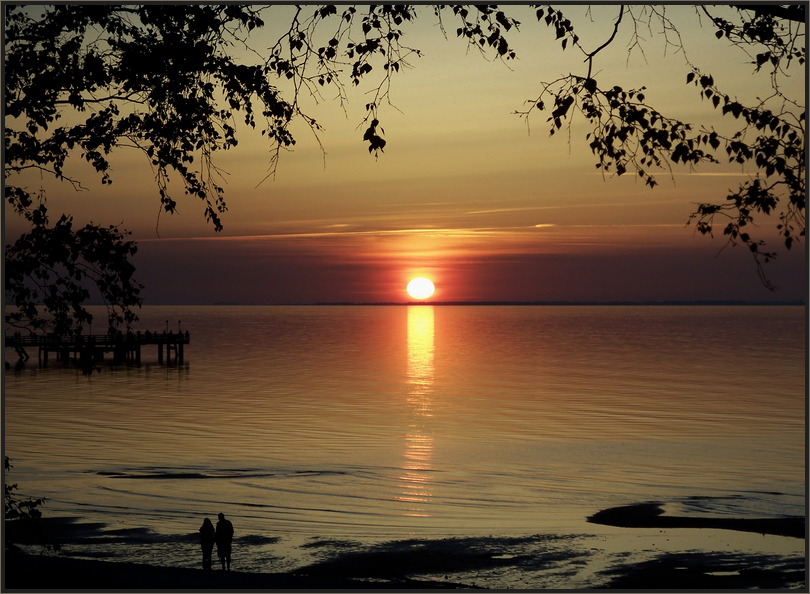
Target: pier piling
[125,348]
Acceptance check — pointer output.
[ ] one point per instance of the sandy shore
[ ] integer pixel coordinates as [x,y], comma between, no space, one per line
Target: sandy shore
[42,572]
[697,571]
[650,515]
[447,563]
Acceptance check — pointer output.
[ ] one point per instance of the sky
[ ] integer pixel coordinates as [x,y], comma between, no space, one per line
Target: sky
[467,193]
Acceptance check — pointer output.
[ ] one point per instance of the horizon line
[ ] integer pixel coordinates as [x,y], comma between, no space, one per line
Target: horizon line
[790,302]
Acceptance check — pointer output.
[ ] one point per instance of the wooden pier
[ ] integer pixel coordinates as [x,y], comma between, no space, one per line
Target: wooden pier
[125,348]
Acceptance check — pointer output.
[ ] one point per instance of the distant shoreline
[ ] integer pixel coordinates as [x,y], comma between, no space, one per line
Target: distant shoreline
[698,302]
[704,302]
[575,303]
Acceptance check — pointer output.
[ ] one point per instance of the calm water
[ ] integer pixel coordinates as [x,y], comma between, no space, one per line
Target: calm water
[391,422]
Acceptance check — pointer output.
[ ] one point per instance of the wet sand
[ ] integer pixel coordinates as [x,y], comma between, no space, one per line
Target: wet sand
[41,572]
[650,515]
[450,563]
[679,571]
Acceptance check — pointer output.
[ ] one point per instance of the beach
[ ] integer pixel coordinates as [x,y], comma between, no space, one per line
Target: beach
[438,564]
[694,571]
[40,572]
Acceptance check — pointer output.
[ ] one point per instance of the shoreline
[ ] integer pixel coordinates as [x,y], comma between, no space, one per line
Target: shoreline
[448,563]
[686,570]
[650,515]
[48,572]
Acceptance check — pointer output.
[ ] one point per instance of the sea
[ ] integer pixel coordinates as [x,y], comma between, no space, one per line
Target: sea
[325,430]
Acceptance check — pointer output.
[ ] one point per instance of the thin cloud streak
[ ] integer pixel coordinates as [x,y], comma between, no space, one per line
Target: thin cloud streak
[444,232]
[638,225]
[460,232]
[565,206]
[694,174]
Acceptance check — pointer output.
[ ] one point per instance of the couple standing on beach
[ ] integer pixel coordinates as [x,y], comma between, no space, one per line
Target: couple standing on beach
[222,535]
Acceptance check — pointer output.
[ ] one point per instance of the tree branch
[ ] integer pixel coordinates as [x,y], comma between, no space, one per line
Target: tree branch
[590,55]
[789,12]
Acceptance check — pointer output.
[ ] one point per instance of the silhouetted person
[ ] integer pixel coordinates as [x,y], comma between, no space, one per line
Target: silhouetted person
[224,539]
[207,537]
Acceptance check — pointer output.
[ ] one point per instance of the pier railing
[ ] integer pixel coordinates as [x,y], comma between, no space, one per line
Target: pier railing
[125,347]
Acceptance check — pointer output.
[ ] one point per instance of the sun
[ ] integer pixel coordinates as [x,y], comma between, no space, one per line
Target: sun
[420,288]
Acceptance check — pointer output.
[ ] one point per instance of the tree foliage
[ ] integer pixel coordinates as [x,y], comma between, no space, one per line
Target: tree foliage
[629,134]
[52,266]
[17,507]
[94,78]
[169,81]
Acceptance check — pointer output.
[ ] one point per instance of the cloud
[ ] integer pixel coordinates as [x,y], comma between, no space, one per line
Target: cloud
[697,174]
[565,206]
[424,231]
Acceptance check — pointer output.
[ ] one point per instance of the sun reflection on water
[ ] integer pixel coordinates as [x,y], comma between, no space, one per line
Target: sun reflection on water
[415,480]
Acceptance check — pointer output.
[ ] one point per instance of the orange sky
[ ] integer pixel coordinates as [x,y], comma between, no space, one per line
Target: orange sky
[463,194]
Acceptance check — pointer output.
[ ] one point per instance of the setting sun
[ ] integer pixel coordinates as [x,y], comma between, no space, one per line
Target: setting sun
[420,288]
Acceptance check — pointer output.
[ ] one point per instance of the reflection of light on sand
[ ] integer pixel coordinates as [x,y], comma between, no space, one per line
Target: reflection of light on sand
[415,480]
